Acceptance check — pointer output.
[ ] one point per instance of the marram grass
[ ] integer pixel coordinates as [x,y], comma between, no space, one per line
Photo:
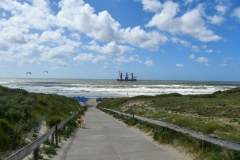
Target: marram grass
[22,112]
[217,114]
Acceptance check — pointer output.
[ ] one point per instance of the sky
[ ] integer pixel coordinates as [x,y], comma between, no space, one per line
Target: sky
[95,39]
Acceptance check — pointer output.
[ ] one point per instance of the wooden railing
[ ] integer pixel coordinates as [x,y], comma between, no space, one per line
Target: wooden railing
[33,147]
[199,135]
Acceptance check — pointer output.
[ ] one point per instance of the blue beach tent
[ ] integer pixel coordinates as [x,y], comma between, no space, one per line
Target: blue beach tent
[81,99]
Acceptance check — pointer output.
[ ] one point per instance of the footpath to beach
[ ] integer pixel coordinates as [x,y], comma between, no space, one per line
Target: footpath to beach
[105,138]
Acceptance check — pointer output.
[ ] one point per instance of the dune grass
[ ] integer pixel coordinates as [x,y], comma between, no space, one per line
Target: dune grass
[22,112]
[217,114]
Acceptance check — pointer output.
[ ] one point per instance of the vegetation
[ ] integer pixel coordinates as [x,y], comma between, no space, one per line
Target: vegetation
[217,114]
[22,112]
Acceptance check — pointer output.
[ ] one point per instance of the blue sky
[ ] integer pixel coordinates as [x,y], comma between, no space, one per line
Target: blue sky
[155,39]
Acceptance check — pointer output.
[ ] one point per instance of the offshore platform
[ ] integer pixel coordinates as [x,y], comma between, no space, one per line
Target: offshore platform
[131,79]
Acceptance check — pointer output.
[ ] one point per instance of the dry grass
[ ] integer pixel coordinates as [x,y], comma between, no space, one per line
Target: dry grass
[217,114]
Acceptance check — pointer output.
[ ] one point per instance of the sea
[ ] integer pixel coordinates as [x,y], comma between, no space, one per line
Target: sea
[100,88]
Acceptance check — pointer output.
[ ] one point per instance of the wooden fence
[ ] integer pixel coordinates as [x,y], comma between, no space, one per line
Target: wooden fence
[33,147]
[199,135]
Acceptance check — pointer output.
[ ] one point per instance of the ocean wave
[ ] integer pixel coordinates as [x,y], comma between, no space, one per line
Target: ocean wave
[111,88]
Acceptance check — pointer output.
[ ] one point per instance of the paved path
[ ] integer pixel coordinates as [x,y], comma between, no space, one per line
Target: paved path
[105,138]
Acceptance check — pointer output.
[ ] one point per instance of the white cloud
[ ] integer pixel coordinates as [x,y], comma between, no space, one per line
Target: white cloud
[195,48]
[138,37]
[53,36]
[199,59]
[3,14]
[57,37]
[32,33]
[209,51]
[3,47]
[31,60]
[81,17]
[102,27]
[223,65]
[216,19]
[183,42]
[151,5]
[149,62]
[75,35]
[89,57]
[236,12]
[14,35]
[105,65]
[25,57]
[221,9]
[61,51]
[111,48]
[204,46]
[179,65]
[33,25]
[186,2]
[202,60]
[6,56]
[124,59]
[37,15]
[192,56]
[58,62]
[84,57]
[166,20]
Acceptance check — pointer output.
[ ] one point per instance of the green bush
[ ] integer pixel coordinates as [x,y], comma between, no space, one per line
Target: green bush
[211,126]
[156,135]
[52,121]
[50,150]
[22,111]
[9,137]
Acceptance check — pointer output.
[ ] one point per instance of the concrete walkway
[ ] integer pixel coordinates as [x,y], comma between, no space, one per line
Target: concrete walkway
[105,138]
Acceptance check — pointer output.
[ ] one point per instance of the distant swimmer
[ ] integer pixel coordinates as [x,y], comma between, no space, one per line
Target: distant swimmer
[45,71]
[28,73]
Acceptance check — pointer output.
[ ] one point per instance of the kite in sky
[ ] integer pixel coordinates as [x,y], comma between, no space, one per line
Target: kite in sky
[45,71]
[28,73]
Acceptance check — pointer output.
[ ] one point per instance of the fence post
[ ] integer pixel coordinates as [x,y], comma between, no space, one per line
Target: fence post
[35,154]
[203,144]
[52,139]
[56,135]
[164,129]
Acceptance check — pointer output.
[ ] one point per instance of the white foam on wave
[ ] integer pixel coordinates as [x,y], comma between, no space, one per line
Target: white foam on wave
[99,88]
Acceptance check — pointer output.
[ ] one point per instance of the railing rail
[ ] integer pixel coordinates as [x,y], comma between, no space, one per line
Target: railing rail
[22,153]
[199,135]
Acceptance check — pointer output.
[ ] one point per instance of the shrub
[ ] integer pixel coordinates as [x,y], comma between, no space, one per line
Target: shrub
[52,121]
[9,138]
[14,115]
[47,142]
[211,126]
[204,96]
[217,92]
[50,150]
[156,135]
